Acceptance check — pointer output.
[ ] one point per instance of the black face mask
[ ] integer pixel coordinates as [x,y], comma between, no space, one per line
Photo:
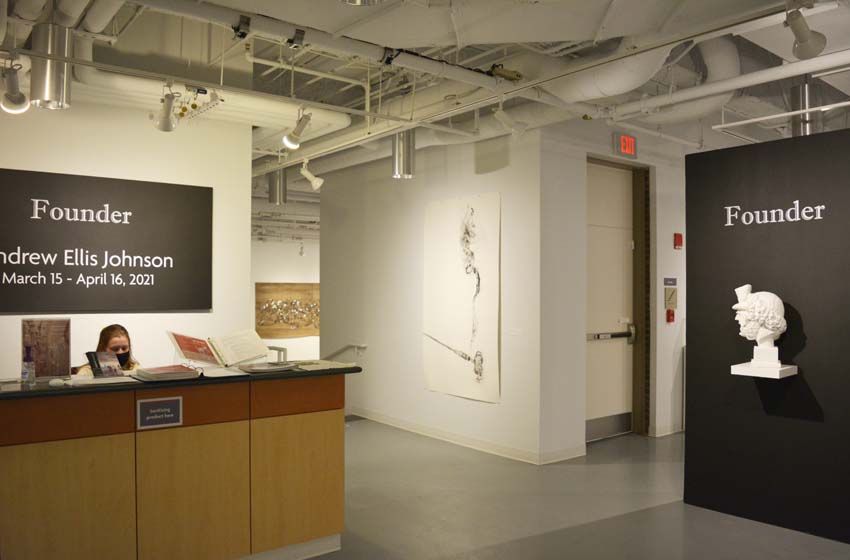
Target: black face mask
[123,359]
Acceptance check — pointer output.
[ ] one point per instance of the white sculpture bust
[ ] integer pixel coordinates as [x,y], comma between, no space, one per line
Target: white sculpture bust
[761,316]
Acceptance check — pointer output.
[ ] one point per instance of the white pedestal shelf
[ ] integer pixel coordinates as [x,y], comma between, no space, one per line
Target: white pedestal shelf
[766,364]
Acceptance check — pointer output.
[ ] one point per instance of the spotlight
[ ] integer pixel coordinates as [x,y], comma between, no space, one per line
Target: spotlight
[165,120]
[362,2]
[292,140]
[315,182]
[517,128]
[14,101]
[404,154]
[807,43]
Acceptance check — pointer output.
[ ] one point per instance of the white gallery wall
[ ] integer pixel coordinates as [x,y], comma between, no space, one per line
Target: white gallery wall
[118,142]
[372,292]
[282,262]
[372,263]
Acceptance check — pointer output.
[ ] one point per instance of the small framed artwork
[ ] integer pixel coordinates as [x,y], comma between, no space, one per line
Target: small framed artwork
[287,310]
[50,345]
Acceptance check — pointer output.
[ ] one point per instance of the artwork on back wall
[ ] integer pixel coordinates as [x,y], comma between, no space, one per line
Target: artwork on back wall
[50,343]
[461,292]
[287,310]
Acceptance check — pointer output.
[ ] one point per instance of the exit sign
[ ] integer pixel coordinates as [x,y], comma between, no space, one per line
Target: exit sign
[625,145]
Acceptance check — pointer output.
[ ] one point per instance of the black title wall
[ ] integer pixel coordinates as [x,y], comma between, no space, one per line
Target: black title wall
[776,451]
[70,243]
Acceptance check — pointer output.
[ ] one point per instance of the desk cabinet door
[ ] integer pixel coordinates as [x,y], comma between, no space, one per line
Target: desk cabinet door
[68,500]
[193,492]
[297,478]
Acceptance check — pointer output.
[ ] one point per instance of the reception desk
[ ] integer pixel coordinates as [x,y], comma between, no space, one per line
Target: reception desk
[256,467]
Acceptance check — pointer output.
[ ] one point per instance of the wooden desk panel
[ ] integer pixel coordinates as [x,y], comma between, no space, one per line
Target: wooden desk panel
[206,404]
[37,419]
[282,397]
[69,500]
[194,492]
[297,478]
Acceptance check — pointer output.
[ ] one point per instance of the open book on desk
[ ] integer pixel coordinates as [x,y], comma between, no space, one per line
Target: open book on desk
[222,351]
[296,365]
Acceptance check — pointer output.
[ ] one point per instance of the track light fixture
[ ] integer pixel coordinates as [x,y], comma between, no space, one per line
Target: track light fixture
[315,182]
[14,101]
[165,119]
[362,2]
[50,80]
[277,187]
[404,154]
[292,140]
[807,43]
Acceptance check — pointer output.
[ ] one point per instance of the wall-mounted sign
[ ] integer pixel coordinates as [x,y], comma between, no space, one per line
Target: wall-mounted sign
[70,243]
[164,412]
[625,145]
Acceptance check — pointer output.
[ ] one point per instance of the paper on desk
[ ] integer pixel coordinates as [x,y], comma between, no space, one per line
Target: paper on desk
[314,365]
[76,382]
[222,372]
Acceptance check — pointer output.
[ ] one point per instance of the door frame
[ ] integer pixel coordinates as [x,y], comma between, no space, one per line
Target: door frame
[641,286]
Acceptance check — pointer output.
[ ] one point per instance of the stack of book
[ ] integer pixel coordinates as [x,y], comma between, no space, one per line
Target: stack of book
[167,373]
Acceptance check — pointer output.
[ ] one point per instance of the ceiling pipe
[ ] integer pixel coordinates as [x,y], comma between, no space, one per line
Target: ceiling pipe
[100,14]
[4,19]
[237,107]
[610,79]
[722,62]
[790,70]
[284,31]
[68,12]
[533,114]
[29,10]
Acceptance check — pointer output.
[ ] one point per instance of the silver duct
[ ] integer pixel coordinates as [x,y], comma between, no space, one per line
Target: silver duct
[805,96]
[50,81]
[277,187]
[404,154]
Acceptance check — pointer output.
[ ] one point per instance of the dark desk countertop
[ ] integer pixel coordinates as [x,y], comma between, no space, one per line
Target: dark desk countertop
[16,390]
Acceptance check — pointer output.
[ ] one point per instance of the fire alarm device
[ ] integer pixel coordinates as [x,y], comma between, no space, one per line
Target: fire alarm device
[678,240]
[671,315]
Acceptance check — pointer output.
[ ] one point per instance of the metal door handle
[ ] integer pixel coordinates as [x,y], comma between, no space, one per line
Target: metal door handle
[629,334]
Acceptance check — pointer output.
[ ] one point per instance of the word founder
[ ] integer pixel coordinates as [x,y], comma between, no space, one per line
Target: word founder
[774,216]
[41,208]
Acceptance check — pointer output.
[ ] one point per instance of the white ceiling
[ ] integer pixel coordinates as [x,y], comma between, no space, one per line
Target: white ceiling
[422,23]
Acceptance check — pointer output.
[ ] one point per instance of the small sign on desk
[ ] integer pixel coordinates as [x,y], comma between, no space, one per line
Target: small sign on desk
[164,412]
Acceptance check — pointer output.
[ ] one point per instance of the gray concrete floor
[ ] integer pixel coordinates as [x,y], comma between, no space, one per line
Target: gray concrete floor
[411,497]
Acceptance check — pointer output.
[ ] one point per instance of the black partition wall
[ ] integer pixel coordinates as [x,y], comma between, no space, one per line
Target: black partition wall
[777,216]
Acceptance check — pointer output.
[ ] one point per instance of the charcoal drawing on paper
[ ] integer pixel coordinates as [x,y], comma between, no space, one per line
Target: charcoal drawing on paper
[461,297]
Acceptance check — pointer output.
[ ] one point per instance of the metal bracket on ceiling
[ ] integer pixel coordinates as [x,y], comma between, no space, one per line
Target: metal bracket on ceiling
[389,55]
[297,40]
[243,28]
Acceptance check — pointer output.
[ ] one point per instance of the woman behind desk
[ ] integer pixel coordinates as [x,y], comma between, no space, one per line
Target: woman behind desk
[113,338]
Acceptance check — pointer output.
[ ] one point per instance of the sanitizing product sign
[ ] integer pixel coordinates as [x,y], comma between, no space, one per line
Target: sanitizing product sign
[70,243]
